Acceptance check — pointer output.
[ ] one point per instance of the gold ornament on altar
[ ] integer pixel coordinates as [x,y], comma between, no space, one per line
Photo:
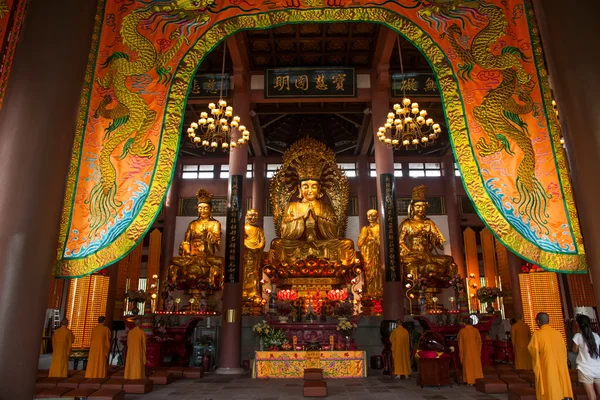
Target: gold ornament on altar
[314,225]
[198,267]
[420,239]
[368,243]
[254,242]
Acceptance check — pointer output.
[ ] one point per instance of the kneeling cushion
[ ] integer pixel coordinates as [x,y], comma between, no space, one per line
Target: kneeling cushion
[176,371]
[315,389]
[161,378]
[47,383]
[79,393]
[193,373]
[114,384]
[107,394]
[93,383]
[71,383]
[521,393]
[138,386]
[313,374]
[490,386]
[52,393]
[515,382]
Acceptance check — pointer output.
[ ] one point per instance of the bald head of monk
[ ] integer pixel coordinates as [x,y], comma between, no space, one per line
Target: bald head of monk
[518,317]
[542,319]
[64,322]
[138,322]
[101,319]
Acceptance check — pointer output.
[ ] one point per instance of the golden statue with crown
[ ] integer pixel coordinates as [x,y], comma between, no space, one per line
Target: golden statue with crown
[198,267]
[420,239]
[309,198]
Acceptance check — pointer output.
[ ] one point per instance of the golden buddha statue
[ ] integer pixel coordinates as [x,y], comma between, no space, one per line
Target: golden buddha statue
[311,226]
[254,241]
[198,266]
[368,243]
[419,238]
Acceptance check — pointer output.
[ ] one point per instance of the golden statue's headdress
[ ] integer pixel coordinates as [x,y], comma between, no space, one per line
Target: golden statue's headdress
[204,196]
[310,159]
[419,194]
[311,168]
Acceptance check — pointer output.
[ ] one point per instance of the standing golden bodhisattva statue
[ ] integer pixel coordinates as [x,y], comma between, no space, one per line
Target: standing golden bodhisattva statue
[197,264]
[254,241]
[368,243]
[310,226]
[419,239]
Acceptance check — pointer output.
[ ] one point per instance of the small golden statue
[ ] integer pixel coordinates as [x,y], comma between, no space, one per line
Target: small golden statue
[419,239]
[368,243]
[198,267]
[254,241]
[311,226]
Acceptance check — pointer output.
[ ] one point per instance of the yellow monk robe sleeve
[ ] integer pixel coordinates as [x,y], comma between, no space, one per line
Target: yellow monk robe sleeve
[144,348]
[535,358]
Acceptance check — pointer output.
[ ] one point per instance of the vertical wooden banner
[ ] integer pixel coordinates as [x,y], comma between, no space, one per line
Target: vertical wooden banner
[135,261]
[489,257]
[389,229]
[233,240]
[472,265]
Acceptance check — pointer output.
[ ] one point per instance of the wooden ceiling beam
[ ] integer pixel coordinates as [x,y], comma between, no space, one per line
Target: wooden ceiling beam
[241,63]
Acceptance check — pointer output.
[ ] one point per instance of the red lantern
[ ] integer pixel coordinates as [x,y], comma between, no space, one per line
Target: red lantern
[337,295]
[287,294]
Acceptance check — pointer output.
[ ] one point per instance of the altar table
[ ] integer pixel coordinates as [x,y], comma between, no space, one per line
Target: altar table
[291,364]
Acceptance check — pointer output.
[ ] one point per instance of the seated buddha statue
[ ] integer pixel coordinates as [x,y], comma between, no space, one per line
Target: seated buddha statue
[198,266]
[419,238]
[310,226]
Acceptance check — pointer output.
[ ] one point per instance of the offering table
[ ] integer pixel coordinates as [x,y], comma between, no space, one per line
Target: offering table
[291,364]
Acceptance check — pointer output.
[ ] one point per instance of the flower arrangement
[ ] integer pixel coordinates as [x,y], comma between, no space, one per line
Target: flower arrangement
[457,283]
[346,327]
[344,310]
[286,346]
[421,283]
[488,294]
[262,329]
[283,308]
[136,296]
[275,339]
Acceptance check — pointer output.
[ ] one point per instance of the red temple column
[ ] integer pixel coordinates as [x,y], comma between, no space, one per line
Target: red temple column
[258,188]
[37,121]
[456,234]
[170,207]
[514,267]
[393,288]
[363,194]
[231,331]
[573,57]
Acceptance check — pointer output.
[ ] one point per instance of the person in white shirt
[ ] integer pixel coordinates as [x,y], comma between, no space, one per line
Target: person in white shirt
[587,345]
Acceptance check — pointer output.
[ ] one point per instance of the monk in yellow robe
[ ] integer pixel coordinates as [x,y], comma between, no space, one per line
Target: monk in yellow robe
[62,340]
[549,354]
[520,335]
[469,345]
[136,353]
[401,350]
[99,348]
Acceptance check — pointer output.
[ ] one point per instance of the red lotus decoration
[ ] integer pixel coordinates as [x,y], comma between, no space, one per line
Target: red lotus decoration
[337,295]
[287,294]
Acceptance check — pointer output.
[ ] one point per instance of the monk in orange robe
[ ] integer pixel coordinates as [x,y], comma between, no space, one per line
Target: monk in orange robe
[62,340]
[401,350]
[469,346]
[520,335]
[99,348]
[136,353]
[549,354]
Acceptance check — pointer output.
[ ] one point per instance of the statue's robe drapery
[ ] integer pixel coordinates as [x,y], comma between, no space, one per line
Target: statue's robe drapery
[98,356]
[368,243]
[520,335]
[254,242]
[401,351]
[314,234]
[62,340]
[549,356]
[469,344]
[136,354]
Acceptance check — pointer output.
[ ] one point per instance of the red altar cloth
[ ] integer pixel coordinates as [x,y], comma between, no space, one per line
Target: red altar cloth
[291,364]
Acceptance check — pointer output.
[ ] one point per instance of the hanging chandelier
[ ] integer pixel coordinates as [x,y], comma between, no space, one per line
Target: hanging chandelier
[215,128]
[407,125]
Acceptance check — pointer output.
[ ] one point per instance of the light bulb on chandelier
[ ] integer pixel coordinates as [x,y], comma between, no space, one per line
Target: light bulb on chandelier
[408,125]
[215,128]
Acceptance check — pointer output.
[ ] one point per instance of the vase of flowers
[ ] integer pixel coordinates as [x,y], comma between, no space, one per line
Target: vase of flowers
[488,295]
[284,308]
[344,311]
[457,283]
[346,328]
[274,340]
[262,329]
